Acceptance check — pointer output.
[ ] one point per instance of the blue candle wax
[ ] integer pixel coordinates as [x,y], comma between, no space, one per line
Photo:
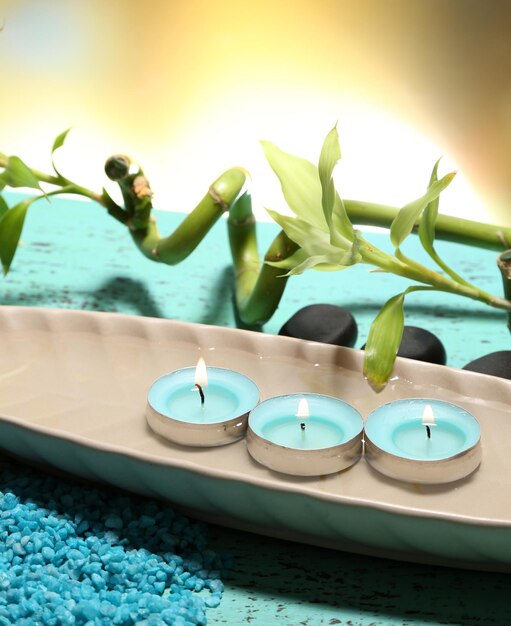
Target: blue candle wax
[305,434]
[412,441]
[227,394]
[318,432]
[176,412]
[185,404]
[398,428]
[330,422]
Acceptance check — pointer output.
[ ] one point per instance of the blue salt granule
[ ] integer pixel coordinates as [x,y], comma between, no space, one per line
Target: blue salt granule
[74,555]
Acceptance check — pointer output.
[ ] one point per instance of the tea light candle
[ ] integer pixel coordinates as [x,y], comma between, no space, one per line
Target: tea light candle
[305,434]
[423,441]
[201,406]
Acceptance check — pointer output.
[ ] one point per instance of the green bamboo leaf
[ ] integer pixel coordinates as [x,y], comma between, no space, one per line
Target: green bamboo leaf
[405,220]
[427,233]
[310,238]
[4,207]
[297,264]
[313,262]
[300,184]
[58,143]
[327,264]
[301,260]
[291,261]
[328,159]
[383,342]
[341,223]
[11,225]
[384,339]
[17,174]
[353,254]
[429,217]
[333,207]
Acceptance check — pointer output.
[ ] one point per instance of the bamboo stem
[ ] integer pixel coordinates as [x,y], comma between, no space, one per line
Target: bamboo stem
[221,195]
[41,176]
[241,228]
[258,286]
[422,274]
[504,265]
[447,227]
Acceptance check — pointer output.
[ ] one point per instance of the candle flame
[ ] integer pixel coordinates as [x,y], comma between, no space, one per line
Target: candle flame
[303,409]
[201,374]
[428,417]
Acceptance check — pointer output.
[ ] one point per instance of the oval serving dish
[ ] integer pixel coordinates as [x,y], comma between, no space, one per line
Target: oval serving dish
[73,389]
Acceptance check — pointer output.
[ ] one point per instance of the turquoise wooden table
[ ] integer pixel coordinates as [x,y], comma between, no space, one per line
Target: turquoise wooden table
[74,256]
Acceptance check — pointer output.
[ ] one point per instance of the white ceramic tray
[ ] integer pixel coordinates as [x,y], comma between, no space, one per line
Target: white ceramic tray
[73,391]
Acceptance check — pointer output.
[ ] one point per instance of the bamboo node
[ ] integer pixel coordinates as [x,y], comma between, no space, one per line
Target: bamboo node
[248,221]
[502,239]
[218,199]
[244,270]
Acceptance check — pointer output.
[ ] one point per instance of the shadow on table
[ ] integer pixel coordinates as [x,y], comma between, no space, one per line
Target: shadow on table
[116,293]
[220,306]
[213,304]
[128,293]
[303,584]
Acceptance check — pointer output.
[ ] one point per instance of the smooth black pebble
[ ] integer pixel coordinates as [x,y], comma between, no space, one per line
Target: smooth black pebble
[421,345]
[327,323]
[494,364]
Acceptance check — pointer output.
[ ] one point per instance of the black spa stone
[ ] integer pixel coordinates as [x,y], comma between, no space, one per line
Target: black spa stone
[421,345]
[494,364]
[326,323]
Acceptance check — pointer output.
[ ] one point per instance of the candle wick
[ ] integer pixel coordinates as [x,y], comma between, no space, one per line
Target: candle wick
[201,393]
[302,426]
[428,431]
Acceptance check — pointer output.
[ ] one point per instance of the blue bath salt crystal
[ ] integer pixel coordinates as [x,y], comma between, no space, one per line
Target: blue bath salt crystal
[73,555]
[48,553]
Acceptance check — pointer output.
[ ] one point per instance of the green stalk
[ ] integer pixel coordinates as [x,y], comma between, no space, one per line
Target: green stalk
[422,274]
[44,178]
[504,265]
[241,229]
[258,288]
[67,186]
[448,228]
[362,213]
[221,195]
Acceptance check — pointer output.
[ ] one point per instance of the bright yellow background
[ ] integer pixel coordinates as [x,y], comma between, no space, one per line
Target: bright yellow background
[187,87]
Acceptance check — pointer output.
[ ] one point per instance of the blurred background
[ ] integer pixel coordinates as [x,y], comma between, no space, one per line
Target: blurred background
[188,87]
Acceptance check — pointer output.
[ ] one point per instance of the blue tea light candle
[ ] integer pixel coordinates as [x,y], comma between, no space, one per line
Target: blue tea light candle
[199,406]
[423,440]
[305,434]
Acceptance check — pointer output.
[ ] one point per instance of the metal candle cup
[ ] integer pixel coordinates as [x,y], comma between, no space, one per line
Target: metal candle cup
[423,440]
[176,412]
[323,439]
